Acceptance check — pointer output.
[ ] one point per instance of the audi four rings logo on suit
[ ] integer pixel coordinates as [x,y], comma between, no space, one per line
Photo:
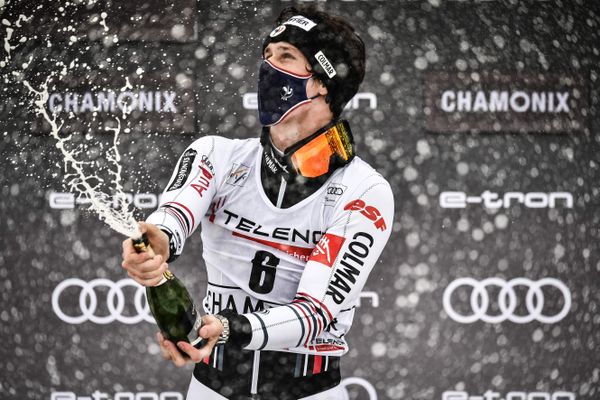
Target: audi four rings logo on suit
[507,300]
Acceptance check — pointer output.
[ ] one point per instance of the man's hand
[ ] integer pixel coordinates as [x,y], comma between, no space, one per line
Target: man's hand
[211,330]
[142,268]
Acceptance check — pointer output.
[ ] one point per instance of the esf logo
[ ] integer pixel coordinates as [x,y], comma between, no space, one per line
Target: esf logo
[491,395]
[494,200]
[368,211]
[69,201]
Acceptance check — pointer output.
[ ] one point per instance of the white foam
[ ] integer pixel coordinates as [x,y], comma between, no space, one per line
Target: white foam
[87,185]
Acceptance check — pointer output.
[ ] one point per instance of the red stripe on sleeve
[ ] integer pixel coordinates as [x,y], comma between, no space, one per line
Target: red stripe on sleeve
[315,312]
[189,212]
[177,216]
[323,306]
[307,318]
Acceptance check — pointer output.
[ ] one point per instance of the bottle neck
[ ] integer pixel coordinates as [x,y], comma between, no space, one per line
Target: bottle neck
[167,276]
[162,282]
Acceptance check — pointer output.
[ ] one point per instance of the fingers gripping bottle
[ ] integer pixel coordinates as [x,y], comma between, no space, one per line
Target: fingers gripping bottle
[171,305]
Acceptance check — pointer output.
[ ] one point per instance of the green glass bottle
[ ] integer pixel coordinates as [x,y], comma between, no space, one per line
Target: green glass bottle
[172,306]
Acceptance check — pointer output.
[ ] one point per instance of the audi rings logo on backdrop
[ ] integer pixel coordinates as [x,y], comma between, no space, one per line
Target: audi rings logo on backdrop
[115,302]
[507,300]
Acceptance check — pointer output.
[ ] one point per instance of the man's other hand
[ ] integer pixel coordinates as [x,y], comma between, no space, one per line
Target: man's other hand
[141,267]
[211,330]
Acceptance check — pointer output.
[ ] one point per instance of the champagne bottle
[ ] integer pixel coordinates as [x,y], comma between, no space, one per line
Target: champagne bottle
[171,305]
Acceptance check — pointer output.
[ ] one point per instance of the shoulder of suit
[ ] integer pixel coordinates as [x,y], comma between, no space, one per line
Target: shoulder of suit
[359,173]
[223,144]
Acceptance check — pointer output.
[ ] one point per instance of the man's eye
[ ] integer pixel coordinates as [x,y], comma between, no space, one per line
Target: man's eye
[287,55]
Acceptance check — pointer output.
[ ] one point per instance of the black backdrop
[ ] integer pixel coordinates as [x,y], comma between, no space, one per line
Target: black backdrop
[492,188]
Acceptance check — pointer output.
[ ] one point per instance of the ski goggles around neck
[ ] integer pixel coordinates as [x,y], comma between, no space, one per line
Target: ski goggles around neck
[328,148]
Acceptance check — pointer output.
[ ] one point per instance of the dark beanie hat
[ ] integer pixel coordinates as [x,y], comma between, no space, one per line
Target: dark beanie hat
[331,46]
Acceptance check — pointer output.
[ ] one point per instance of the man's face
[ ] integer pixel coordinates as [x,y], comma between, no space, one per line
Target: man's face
[287,56]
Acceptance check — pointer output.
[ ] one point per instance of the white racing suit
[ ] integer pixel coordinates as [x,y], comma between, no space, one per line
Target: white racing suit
[291,276]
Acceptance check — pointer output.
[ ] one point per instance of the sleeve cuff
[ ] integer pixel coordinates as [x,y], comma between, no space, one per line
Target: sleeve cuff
[168,224]
[240,330]
[172,246]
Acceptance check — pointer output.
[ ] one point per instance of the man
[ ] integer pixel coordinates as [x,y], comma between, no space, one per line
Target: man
[292,224]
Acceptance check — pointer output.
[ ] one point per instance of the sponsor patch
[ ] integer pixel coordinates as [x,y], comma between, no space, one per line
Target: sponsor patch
[326,347]
[183,172]
[208,164]
[301,22]
[202,182]
[320,344]
[370,212]
[329,70]
[327,249]
[277,31]
[238,174]
[301,253]
[334,193]
[214,207]
[348,269]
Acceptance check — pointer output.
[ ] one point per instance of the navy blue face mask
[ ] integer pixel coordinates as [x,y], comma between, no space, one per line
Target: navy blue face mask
[279,92]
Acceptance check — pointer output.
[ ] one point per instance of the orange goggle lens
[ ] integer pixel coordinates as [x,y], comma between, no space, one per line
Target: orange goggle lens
[312,159]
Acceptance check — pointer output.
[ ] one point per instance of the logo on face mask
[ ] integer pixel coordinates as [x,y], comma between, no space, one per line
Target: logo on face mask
[286,92]
[279,93]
